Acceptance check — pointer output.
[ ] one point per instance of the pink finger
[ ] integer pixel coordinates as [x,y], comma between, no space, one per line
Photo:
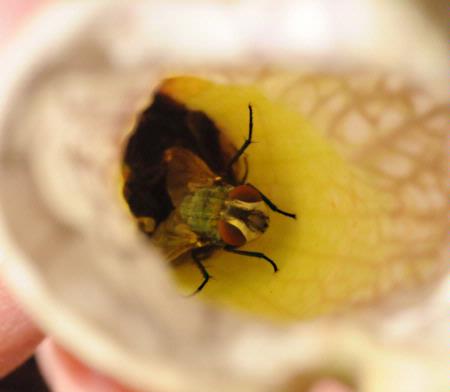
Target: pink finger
[64,373]
[18,336]
[14,14]
[330,385]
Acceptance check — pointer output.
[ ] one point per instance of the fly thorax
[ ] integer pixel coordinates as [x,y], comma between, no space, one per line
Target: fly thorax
[202,209]
[250,218]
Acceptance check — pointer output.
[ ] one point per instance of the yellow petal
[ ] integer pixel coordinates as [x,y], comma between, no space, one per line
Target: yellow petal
[330,255]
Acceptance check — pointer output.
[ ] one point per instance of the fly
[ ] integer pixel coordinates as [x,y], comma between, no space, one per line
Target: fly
[209,212]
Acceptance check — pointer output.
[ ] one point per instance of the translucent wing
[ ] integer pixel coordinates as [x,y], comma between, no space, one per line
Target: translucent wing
[174,237]
[185,173]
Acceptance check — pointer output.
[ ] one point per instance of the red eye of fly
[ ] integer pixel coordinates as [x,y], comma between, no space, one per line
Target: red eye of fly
[230,234]
[245,193]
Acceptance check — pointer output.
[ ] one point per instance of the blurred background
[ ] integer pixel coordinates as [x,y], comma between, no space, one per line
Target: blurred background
[13,16]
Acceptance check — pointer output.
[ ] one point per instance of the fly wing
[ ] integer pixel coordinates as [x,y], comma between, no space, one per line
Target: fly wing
[174,237]
[186,172]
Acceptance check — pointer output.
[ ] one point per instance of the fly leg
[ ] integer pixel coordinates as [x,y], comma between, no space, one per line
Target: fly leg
[198,256]
[244,177]
[246,143]
[272,206]
[259,255]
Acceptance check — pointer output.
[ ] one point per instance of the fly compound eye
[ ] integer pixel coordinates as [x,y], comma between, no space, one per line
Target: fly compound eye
[245,193]
[230,234]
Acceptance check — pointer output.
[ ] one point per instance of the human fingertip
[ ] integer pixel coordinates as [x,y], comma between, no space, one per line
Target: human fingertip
[64,373]
[330,385]
[18,335]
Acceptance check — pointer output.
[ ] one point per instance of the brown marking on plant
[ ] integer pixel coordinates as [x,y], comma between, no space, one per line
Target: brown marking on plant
[397,134]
